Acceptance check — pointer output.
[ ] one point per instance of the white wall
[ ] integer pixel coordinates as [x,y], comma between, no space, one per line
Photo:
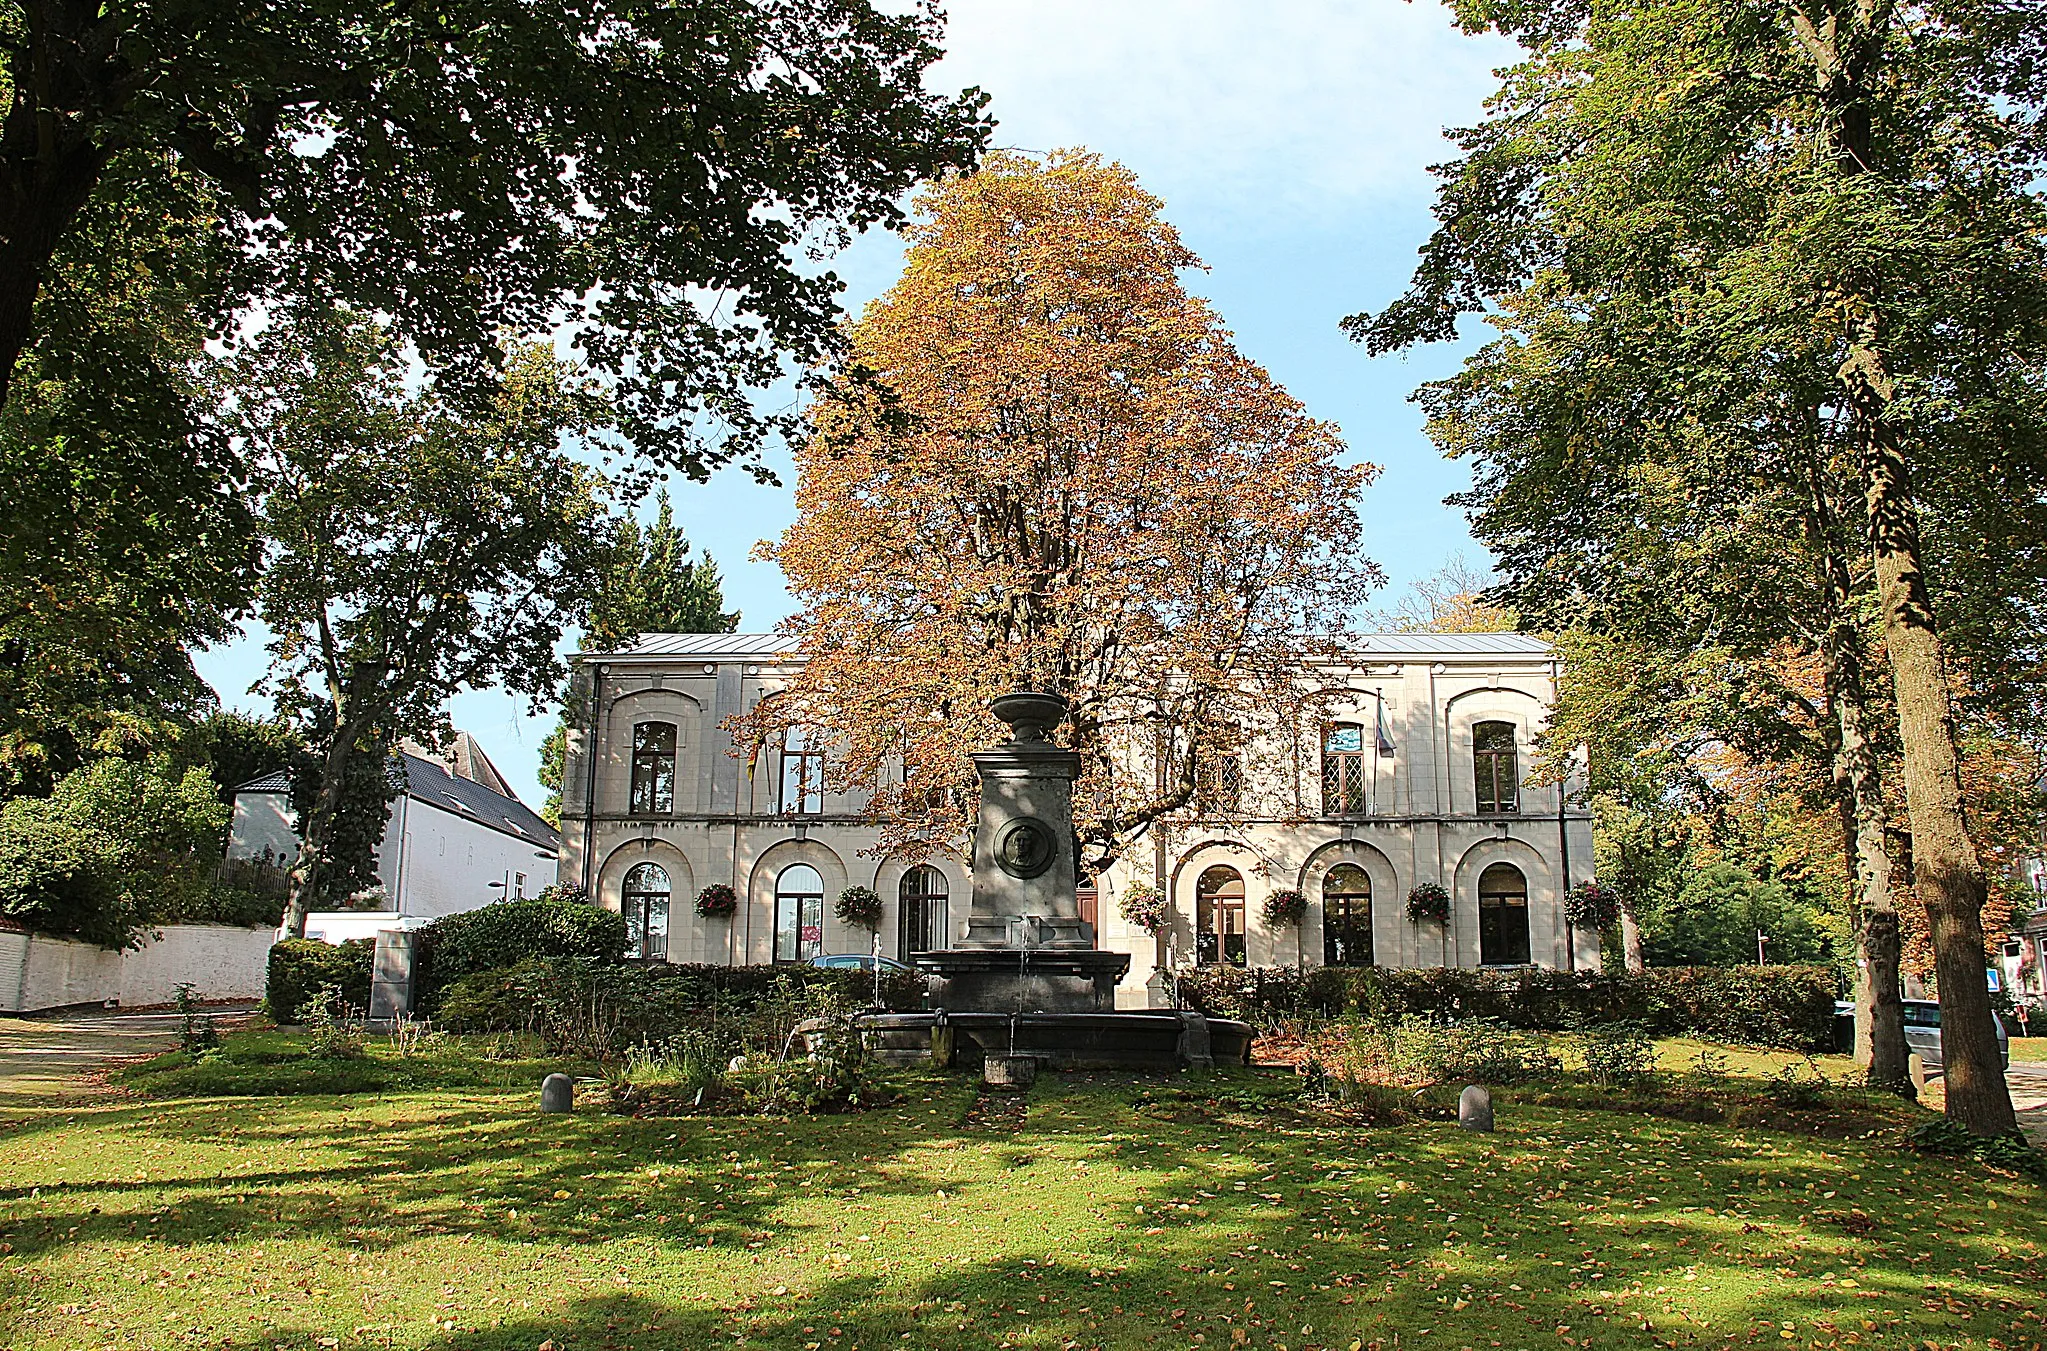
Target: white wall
[431,862]
[450,861]
[40,972]
[263,821]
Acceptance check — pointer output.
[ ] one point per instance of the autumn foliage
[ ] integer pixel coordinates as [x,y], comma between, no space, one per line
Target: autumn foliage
[1044,464]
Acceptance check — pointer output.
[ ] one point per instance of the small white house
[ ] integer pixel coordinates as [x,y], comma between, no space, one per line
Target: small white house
[457,839]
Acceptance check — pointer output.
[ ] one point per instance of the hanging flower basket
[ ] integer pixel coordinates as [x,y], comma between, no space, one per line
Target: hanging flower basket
[717,901]
[1429,902]
[1285,909]
[1145,906]
[859,907]
[1591,905]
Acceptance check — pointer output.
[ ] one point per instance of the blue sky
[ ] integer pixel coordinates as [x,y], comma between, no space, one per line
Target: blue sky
[1290,142]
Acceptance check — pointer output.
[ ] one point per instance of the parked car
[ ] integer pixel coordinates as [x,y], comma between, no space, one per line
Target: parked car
[1922,1030]
[859,961]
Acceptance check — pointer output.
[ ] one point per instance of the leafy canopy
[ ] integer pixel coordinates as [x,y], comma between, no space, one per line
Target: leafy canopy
[643,172]
[1044,464]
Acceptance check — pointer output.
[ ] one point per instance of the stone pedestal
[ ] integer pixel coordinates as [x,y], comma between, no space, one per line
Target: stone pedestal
[391,976]
[1024,947]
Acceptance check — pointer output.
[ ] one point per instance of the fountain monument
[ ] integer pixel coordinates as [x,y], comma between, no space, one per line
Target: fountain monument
[1024,978]
[1024,947]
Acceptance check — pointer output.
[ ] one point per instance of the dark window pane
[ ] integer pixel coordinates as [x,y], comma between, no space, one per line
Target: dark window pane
[653,768]
[1502,916]
[1347,917]
[1494,769]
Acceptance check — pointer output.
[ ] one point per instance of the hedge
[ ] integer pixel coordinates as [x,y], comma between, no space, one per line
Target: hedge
[1789,1007]
[558,924]
[301,967]
[651,1002]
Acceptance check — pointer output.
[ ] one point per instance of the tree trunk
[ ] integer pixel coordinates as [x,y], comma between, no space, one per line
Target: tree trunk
[1879,1015]
[1948,874]
[50,162]
[1847,48]
[308,871]
[1631,938]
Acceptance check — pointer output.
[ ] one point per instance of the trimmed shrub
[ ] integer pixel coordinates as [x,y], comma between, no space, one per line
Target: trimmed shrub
[559,923]
[1788,1007]
[301,967]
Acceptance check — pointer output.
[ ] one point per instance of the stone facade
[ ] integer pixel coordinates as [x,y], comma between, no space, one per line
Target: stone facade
[1417,781]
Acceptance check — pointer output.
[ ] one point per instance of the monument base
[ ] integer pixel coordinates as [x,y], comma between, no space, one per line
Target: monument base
[1023,980]
[1147,1043]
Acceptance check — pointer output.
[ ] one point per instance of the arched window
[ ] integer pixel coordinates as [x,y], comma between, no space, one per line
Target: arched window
[1343,769]
[653,768]
[1347,917]
[1502,916]
[921,918]
[644,899]
[1493,765]
[799,914]
[1219,917]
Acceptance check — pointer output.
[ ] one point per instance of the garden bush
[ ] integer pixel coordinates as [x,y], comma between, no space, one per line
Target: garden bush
[301,967]
[558,923]
[600,1010]
[118,845]
[1786,1007]
[1418,1051]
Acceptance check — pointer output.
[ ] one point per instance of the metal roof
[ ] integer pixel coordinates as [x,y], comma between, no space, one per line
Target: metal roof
[703,645]
[770,646]
[428,782]
[1454,644]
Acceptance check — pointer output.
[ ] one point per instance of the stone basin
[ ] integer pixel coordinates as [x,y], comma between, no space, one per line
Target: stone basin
[1148,1041]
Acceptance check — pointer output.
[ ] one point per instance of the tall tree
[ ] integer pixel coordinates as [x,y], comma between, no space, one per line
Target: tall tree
[1684,499]
[1045,465]
[651,585]
[1452,599]
[123,539]
[417,548]
[642,172]
[1848,187]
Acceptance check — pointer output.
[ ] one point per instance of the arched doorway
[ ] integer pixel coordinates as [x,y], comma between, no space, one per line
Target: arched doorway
[1502,916]
[921,919]
[644,901]
[799,914]
[1219,917]
[1347,916]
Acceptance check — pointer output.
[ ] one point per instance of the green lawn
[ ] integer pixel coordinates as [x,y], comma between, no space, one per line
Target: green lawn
[2029,1048]
[459,1218]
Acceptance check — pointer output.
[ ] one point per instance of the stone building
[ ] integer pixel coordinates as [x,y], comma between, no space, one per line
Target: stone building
[1418,778]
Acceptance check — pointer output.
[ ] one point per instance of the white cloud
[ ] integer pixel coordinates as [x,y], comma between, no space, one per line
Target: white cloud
[1310,108]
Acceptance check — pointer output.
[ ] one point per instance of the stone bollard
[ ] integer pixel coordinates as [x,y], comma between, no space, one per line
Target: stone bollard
[1915,1066]
[557,1093]
[1009,1073]
[1475,1109]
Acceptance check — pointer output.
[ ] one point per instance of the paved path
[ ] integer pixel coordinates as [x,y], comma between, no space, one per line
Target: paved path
[42,1059]
[2028,1082]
